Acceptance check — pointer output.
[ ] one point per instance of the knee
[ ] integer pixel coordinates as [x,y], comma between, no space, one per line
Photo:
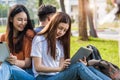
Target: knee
[79,65]
[5,64]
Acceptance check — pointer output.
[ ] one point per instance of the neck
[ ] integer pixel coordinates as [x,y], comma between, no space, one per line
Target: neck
[44,23]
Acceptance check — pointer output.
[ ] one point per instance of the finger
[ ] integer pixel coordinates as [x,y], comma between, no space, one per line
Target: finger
[67,60]
[67,63]
[80,60]
[84,58]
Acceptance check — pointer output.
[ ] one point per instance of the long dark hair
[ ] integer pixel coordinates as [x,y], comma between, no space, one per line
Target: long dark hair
[17,47]
[51,29]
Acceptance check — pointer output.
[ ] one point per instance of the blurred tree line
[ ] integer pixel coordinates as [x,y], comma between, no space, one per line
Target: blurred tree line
[3,10]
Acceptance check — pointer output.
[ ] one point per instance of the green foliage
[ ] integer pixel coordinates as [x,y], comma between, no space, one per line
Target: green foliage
[3,10]
[108,48]
[109,6]
[52,2]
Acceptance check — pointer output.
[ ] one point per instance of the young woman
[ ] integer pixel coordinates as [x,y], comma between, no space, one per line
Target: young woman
[19,35]
[51,50]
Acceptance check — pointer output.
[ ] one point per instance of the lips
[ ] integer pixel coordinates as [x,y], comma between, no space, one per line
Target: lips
[21,27]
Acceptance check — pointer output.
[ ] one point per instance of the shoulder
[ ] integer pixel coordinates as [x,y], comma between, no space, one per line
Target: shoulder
[2,37]
[30,33]
[38,29]
[38,39]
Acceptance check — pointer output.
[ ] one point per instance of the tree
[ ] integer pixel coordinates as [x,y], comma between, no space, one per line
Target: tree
[51,2]
[62,5]
[82,20]
[40,2]
[91,22]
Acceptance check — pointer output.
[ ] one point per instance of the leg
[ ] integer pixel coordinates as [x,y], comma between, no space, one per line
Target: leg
[98,73]
[4,71]
[74,72]
[20,74]
[29,71]
[86,74]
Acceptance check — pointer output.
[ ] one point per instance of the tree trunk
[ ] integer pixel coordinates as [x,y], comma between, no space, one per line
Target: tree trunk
[62,5]
[82,20]
[40,2]
[91,22]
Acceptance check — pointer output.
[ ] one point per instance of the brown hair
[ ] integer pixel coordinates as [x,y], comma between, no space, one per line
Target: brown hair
[51,29]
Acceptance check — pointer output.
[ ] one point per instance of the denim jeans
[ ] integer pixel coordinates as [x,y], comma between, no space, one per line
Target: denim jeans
[98,73]
[4,71]
[20,74]
[12,72]
[74,72]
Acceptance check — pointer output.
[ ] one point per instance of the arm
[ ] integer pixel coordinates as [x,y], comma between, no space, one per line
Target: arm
[23,59]
[20,63]
[41,68]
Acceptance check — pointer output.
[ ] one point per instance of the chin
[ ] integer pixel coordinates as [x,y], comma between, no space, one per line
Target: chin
[21,29]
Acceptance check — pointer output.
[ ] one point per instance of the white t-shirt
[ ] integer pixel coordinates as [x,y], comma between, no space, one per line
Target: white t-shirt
[39,49]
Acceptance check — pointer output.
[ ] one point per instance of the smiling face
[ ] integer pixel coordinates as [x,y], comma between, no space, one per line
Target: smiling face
[19,21]
[62,29]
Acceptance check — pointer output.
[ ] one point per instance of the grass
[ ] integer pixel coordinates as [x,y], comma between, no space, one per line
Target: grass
[2,29]
[108,48]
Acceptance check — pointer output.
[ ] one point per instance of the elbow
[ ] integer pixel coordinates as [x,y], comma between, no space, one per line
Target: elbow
[38,68]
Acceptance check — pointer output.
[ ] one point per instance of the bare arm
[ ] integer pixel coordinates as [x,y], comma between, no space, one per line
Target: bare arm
[20,63]
[41,68]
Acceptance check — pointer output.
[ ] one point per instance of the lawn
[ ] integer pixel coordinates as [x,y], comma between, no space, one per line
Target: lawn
[2,29]
[107,48]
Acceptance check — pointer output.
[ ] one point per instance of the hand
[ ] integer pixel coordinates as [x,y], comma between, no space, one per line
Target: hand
[65,64]
[83,60]
[12,59]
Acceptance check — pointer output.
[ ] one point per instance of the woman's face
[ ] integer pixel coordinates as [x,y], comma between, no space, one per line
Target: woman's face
[62,29]
[20,21]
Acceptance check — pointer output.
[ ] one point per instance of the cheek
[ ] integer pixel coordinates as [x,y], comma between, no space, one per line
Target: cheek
[15,23]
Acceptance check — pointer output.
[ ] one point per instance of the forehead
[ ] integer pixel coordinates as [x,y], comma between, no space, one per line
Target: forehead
[21,15]
[65,25]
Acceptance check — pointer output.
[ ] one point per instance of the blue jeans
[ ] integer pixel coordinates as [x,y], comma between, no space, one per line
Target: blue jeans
[8,72]
[4,71]
[74,72]
[20,74]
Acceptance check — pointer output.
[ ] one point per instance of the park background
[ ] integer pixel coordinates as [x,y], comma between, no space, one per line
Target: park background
[97,25]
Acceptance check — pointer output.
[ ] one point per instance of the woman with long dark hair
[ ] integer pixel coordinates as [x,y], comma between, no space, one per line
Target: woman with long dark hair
[19,35]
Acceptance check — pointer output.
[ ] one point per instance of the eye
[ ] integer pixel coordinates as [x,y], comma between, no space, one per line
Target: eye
[19,19]
[60,28]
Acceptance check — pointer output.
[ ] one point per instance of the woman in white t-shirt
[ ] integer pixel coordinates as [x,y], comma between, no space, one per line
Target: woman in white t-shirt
[51,51]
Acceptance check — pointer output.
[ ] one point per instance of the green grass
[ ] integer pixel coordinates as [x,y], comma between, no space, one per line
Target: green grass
[107,48]
[2,29]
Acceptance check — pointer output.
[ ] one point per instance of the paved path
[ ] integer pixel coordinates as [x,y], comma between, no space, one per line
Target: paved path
[112,34]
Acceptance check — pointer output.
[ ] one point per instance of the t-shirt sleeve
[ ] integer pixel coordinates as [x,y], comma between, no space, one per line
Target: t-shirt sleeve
[36,50]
